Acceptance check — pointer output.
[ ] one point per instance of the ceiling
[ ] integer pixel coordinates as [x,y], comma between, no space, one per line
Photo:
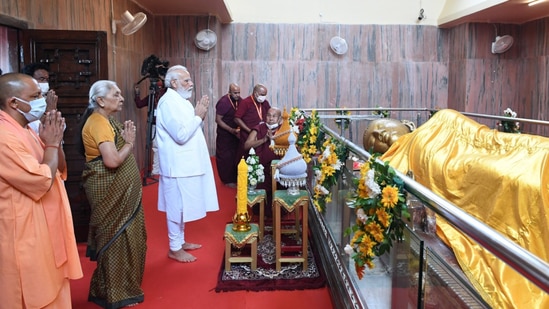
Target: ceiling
[188,7]
[510,12]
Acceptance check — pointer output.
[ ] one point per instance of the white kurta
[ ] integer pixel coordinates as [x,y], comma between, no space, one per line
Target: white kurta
[187,187]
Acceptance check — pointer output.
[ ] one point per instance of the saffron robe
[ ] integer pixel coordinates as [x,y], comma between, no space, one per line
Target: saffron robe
[37,244]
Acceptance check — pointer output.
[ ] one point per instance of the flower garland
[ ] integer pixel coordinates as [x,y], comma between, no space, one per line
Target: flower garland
[312,141]
[297,119]
[508,125]
[310,137]
[255,169]
[327,171]
[380,205]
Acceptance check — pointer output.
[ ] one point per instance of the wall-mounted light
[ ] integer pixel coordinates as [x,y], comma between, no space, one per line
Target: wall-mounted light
[536,2]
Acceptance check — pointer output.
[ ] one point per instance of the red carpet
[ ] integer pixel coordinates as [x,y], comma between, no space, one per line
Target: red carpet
[169,284]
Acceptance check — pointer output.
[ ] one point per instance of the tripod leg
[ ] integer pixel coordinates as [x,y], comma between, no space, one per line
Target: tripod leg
[150,119]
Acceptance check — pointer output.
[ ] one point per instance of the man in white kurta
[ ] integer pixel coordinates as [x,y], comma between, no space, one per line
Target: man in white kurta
[187,187]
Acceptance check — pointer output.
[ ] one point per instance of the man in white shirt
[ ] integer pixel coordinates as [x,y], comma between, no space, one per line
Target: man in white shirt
[186,190]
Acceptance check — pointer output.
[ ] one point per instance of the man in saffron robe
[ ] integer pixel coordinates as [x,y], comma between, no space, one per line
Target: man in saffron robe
[38,253]
[251,112]
[227,140]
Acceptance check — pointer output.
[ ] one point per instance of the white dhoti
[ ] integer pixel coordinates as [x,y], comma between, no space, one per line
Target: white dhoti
[185,199]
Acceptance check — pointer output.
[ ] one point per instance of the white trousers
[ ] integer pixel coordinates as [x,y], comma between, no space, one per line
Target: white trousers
[176,234]
[155,164]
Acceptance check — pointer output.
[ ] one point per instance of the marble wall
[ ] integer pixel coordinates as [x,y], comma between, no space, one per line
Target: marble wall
[387,66]
[482,82]
[402,66]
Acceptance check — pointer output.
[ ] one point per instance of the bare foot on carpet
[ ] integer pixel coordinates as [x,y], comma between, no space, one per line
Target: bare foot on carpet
[181,256]
[190,246]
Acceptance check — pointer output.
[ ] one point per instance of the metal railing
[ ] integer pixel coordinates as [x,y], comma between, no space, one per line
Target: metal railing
[527,264]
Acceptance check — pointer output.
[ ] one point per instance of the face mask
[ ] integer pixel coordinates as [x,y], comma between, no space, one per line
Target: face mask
[44,87]
[38,107]
[272,126]
[261,98]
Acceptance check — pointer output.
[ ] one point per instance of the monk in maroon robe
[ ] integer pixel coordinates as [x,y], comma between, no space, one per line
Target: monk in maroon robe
[250,113]
[260,139]
[227,140]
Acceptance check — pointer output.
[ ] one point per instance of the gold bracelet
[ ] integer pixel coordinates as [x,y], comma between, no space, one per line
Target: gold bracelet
[51,146]
[129,143]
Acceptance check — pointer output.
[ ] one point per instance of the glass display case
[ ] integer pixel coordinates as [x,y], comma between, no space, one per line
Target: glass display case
[418,272]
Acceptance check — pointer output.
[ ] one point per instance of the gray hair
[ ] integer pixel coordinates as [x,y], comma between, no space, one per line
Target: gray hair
[173,75]
[100,89]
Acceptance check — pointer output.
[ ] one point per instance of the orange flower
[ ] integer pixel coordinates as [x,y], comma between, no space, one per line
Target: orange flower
[389,196]
[383,217]
[359,271]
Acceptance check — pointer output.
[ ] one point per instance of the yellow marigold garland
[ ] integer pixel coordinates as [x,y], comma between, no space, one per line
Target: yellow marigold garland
[380,205]
[310,136]
[330,153]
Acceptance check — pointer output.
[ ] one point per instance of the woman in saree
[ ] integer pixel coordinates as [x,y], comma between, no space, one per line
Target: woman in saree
[112,181]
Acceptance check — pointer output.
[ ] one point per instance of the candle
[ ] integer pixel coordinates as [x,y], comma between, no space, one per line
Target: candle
[242,188]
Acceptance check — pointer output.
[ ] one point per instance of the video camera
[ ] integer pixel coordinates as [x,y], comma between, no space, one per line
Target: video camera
[153,67]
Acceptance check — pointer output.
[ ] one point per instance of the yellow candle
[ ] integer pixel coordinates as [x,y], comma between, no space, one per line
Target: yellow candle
[242,188]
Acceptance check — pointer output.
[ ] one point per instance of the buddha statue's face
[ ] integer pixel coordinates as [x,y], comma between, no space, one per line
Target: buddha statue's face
[382,133]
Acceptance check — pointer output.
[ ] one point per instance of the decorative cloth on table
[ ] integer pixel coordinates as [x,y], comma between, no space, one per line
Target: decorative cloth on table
[240,239]
[290,202]
[256,197]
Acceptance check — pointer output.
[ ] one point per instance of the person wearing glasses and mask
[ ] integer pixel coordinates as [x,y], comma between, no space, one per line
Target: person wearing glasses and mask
[40,72]
[38,252]
[251,112]
[186,189]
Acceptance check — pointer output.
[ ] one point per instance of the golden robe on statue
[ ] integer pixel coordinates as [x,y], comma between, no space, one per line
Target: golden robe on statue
[501,179]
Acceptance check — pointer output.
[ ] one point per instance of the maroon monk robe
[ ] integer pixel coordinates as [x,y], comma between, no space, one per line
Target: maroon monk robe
[226,143]
[252,114]
[266,155]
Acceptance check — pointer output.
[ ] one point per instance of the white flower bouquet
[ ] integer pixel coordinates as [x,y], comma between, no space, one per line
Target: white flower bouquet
[256,173]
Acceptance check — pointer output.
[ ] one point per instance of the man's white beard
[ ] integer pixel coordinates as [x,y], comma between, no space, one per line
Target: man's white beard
[185,93]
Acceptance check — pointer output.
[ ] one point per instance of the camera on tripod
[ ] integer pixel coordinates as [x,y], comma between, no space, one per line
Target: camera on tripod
[154,68]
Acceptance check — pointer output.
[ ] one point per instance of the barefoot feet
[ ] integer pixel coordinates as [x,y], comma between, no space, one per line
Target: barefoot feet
[190,246]
[181,256]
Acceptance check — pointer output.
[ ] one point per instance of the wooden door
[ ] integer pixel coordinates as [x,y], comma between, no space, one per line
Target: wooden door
[76,59]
